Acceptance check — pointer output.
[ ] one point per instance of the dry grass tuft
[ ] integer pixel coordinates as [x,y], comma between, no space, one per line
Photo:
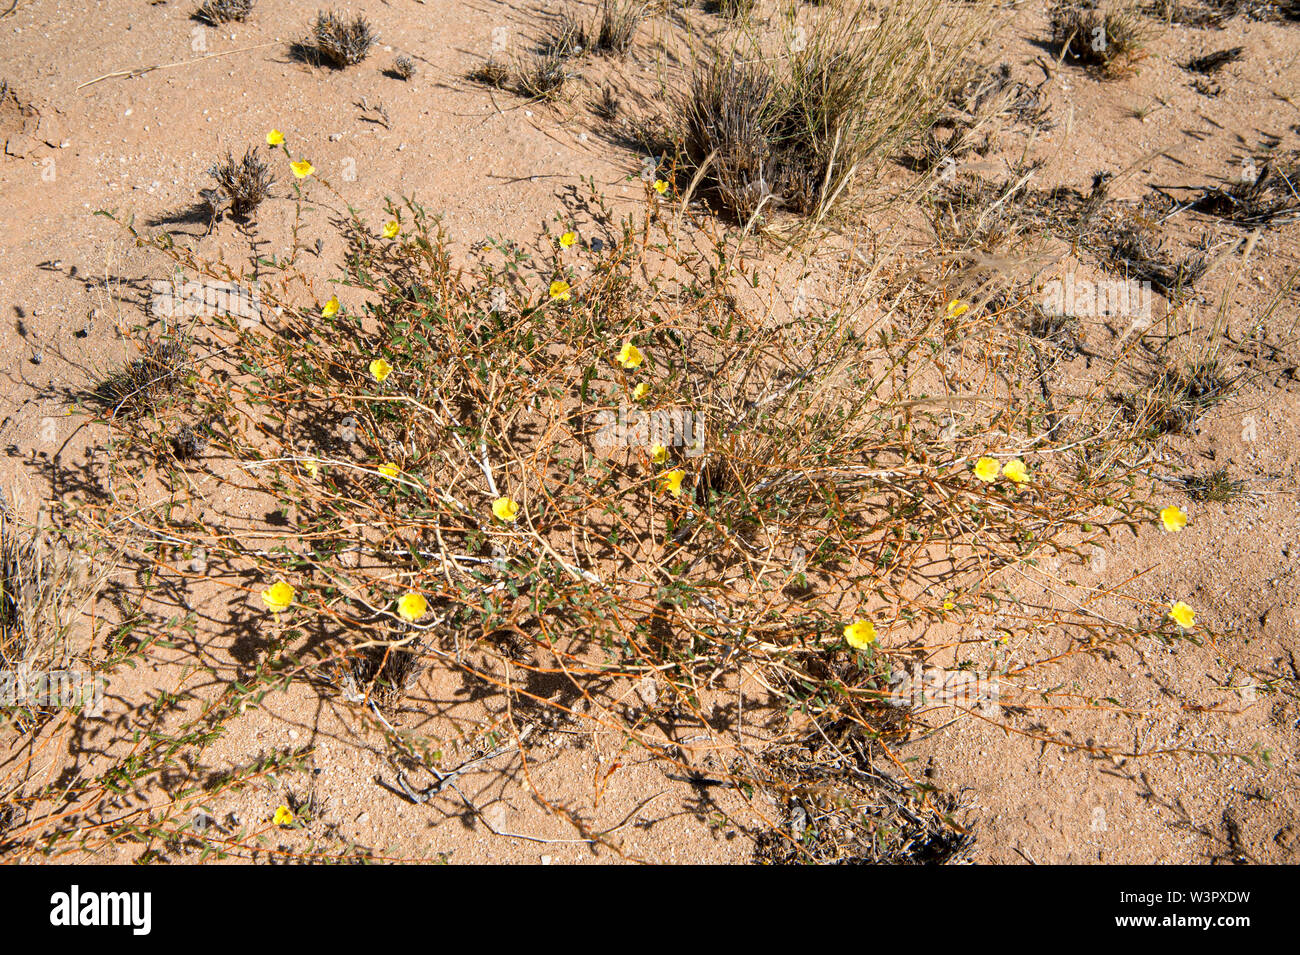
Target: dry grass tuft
[796,132]
[1269,196]
[146,381]
[611,32]
[217,12]
[244,184]
[339,42]
[47,580]
[403,67]
[1111,40]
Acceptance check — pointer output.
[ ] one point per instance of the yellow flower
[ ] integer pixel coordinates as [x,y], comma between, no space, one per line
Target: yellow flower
[640,391]
[986,469]
[391,229]
[1016,471]
[278,596]
[672,482]
[275,138]
[957,308]
[560,290]
[312,468]
[948,603]
[302,169]
[660,186]
[331,307]
[283,817]
[380,369]
[1182,615]
[389,470]
[506,509]
[568,239]
[658,454]
[860,634]
[1174,518]
[629,356]
[412,606]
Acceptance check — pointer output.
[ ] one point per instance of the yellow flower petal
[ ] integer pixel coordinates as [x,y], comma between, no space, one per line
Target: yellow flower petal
[380,369]
[302,168]
[860,634]
[640,391]
[278,596]
[275,138]
[560,291]
[671,482]
[331,307]
[1182,615]
[986,469]
[629,356]
[957,308]
[658,454]
[506,509]
[1015,470]
[389,470]
[1174,518]
[660,186]
[412,606]
[283,816]
[391,229]
[568,239]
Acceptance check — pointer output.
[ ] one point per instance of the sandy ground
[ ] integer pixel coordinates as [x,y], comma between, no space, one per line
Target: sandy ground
[82,133]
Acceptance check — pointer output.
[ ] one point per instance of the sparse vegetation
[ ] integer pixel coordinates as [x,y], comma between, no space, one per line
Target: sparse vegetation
[834,387]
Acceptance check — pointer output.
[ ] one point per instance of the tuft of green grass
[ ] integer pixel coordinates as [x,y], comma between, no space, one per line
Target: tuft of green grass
[1178,396]
[1216,486]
